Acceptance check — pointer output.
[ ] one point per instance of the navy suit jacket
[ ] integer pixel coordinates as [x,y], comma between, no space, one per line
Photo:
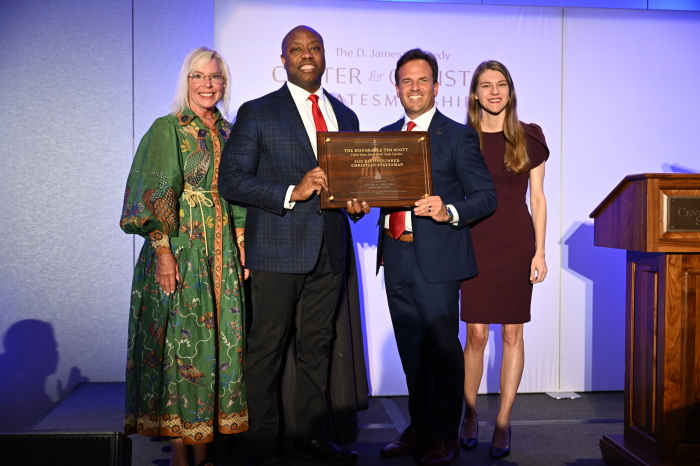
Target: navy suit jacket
[460,177]
[268,150]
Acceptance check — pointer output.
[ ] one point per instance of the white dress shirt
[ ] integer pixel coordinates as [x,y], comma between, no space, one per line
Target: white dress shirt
[301,99]
[422,124]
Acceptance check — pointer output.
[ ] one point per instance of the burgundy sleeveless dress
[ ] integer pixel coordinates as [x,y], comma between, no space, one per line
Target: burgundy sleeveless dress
[504,242]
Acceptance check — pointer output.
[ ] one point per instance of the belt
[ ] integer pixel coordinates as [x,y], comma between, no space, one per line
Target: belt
[404,238]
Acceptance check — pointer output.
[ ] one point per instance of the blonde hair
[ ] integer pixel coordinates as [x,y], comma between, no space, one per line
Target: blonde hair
[196,58]
[516,158]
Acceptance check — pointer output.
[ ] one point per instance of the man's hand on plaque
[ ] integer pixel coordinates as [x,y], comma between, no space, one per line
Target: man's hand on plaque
[356,209]
[431,206]
[314,181]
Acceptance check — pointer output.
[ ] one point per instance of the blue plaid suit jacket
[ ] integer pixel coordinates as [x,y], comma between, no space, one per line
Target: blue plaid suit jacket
[268,150]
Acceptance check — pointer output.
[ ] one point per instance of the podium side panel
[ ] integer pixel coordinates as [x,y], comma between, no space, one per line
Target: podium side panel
[682,361]
[644,355]
[623,223]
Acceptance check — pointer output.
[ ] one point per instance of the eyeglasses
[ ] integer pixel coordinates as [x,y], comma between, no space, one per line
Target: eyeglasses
[199,78]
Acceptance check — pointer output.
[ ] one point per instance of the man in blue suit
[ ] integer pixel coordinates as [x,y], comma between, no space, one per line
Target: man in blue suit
[294,250]
[426,251]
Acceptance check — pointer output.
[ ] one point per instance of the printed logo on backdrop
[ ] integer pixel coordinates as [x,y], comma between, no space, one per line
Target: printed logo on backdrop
[361,77]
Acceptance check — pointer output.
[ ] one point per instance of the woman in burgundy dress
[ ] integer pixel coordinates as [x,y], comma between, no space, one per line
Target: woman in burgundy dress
[509,245]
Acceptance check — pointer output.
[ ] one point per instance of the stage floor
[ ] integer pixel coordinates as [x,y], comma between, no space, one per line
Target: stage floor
[546,431]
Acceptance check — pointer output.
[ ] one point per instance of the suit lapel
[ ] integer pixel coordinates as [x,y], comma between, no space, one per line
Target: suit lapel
[395,126]
[436,131]
[340,116]
[291,113]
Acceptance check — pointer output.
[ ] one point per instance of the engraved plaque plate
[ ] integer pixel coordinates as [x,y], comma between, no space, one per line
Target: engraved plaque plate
[384,168]
[683,213]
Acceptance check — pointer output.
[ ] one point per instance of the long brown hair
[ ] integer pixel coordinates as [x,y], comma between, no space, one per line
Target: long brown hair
[516,157]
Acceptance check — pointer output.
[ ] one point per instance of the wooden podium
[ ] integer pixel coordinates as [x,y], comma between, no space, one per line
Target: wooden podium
[656,218]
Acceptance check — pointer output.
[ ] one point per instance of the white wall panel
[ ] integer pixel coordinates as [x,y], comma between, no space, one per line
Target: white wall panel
[165,31]
[66,80]
[628,108]
[69,93]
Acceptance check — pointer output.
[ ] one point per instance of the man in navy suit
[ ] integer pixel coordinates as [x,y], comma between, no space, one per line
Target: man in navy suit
[294,250]
[426,251]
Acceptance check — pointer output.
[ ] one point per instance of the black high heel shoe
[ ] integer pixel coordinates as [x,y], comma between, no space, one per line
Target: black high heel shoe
[499,453]
[469,443]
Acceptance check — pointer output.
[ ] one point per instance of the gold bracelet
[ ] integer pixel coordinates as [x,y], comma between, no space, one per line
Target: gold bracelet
[240,239]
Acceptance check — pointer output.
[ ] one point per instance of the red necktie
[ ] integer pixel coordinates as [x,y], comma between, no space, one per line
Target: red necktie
[397,220]
[318,116]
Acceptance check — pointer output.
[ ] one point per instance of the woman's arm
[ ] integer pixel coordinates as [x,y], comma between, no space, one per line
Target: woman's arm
[538,207]
[240,242]
[238,215]
[151,199]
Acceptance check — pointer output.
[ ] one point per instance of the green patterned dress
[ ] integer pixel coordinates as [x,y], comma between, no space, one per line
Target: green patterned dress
[184,372]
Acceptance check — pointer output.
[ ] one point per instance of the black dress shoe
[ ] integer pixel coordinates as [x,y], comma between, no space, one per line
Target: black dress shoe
[499,453]
[441,452]
[324,451]
[468,438]
[407,442]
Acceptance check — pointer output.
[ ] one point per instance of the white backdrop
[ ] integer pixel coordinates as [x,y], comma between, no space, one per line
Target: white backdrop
[363,41]
[611,89]
[628,107]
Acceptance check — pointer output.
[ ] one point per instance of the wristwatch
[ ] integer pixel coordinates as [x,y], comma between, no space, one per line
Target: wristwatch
[450,214]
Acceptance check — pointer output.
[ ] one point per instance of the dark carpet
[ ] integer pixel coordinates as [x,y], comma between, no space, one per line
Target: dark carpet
[545,431]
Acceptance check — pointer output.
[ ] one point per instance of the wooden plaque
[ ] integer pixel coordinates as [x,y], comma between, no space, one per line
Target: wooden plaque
[383,168]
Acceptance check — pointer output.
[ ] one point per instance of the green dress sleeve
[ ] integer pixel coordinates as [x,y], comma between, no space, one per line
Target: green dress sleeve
[154,185]
[238,213]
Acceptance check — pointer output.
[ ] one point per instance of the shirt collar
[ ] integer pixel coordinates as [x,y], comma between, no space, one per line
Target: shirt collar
[423,121]
[187,115]
[302,95]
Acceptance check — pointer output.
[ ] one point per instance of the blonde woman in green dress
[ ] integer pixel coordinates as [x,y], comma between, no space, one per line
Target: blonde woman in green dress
[184,373]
